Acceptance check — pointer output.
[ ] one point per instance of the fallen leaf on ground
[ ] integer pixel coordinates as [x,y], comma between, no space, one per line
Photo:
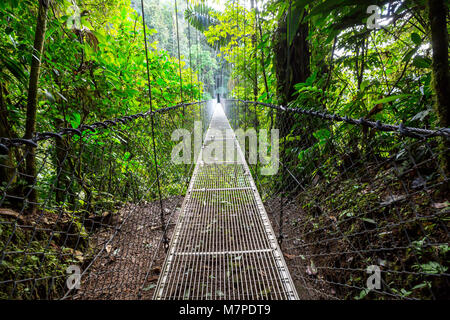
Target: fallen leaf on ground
[440,205]
[311,269]
[150,287]
[156,269]
[289,256]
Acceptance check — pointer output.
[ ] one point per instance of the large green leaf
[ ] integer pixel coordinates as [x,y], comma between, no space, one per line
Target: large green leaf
[416,39]
[13,67]
[391,98]
[422,62]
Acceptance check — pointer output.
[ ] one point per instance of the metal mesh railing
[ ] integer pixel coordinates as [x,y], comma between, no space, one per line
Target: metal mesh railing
[96,212]
[361,208]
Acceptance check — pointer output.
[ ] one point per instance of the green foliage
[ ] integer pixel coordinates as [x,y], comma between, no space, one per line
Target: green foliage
[56,254]
[382,74]
[201,16]
[90,73]
[97,70]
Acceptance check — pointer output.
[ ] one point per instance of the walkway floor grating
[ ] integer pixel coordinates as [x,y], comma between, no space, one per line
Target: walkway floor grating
[223,245]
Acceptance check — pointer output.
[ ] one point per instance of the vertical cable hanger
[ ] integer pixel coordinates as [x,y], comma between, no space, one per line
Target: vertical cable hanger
[245,87]
[179,63]
[198,77]
[179,67]
[258,25]
[233,70]
[236,113]
[190,56]
[283,150]
[198,64]
[255,82]
[179,54]
[255,41]
[215,78]
[155,158]
[239,58]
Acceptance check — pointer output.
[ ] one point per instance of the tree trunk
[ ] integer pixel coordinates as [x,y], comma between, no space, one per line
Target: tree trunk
[6,162]
[292,66]
[438,11]
[39,37]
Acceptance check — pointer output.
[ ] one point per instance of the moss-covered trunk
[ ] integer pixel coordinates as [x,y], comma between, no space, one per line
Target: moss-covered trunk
[292,66]
[438,12]
[38,47]
[6,161]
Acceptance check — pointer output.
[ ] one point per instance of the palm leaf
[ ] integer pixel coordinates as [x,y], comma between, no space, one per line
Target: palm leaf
[13,67]
[200,16]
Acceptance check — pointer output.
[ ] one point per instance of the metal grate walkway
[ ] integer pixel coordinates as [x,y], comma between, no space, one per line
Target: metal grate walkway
[223,246]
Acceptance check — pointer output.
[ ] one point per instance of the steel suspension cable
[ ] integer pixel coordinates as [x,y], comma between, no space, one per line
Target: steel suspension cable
[245,89]
[155,158]
[258,23]
[284,114]
[255,42]
[179,54]
[179,67]
[198,73]
[190,55]
[255,84]
[236,114]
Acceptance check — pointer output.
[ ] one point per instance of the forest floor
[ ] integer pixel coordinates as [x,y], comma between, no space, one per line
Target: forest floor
[308,285]
[327,253]
[129,266]
[331,233]
[120,271]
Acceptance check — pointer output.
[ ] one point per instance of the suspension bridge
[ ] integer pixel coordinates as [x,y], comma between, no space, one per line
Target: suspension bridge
[106,213]
[238,234]
[223,245]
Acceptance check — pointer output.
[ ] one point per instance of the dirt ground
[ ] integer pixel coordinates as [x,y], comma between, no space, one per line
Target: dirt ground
[307,281]
[128,266]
